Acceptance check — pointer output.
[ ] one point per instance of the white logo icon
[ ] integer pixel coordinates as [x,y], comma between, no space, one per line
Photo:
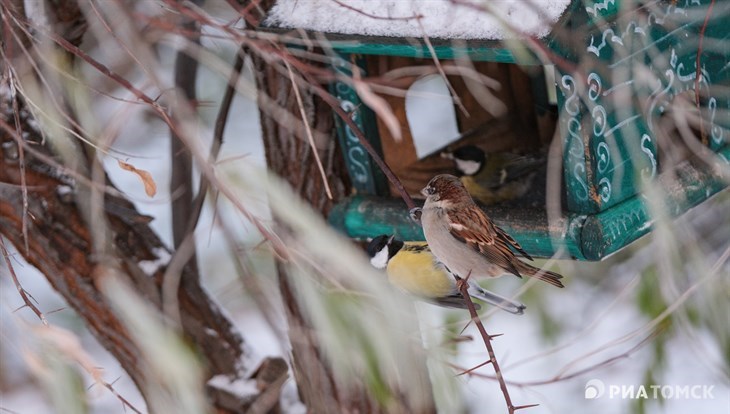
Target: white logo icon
[594,389]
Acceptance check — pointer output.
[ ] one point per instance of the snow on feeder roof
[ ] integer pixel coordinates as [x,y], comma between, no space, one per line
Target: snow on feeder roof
[445,19]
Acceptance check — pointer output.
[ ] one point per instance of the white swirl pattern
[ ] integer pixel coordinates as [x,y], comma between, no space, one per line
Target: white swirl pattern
[649,153]
[604,157]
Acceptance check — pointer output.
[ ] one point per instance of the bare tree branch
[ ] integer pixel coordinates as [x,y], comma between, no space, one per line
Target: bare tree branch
[23,293]
[181,180]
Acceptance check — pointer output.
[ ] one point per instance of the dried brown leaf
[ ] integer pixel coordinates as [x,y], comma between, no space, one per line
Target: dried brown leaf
[149,184]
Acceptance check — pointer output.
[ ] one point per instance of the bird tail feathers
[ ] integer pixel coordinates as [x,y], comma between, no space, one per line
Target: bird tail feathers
[544,275]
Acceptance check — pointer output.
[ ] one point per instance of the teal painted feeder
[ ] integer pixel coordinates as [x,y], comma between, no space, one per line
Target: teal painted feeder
[637,90]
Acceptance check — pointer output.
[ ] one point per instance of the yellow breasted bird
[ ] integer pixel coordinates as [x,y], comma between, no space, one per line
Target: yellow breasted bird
[413,268]
[496,177]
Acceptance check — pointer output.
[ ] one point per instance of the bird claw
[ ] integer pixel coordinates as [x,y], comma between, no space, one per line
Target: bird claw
[415,214]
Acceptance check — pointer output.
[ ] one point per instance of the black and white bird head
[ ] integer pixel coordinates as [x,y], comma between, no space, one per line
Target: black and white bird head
[381,249]
[468,159]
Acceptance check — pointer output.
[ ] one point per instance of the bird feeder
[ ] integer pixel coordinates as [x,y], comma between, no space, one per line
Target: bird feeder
[627,82]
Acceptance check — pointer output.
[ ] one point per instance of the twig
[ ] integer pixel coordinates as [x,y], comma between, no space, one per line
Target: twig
[372,16]
[432,51]
[121,43]
[472,369]
[181,179]
[245,11]
[308,130]
[219,129]
[21,290]
[124,401]
[463,285]
[67,46]
[564,377]
[698,72]
[21,156]
[186,73]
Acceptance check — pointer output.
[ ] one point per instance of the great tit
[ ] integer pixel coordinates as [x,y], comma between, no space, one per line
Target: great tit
[412,268]
[496,177]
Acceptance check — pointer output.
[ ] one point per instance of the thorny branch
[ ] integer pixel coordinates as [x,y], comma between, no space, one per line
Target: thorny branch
[21,158]
[463,285]
[23,293]
[563,377]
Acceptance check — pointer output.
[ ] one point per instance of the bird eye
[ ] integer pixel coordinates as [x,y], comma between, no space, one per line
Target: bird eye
[430,190]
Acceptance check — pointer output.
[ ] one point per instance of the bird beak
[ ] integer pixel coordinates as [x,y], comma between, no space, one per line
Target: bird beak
[448,155]
[423,192]
[390,240]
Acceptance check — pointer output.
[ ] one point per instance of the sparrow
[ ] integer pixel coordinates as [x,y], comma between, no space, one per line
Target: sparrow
[413,268]
[496,177]
[465,239]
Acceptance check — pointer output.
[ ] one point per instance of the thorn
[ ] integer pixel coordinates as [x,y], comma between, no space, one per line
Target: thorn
[25,305]
[57,310]
[494,336]
[470,370]
[522,407]
[459,339]
[466,326]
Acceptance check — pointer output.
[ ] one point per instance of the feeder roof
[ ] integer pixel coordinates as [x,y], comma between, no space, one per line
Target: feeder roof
[442,19]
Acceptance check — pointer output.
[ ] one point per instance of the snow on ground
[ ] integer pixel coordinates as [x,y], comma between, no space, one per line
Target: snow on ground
[470,19]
